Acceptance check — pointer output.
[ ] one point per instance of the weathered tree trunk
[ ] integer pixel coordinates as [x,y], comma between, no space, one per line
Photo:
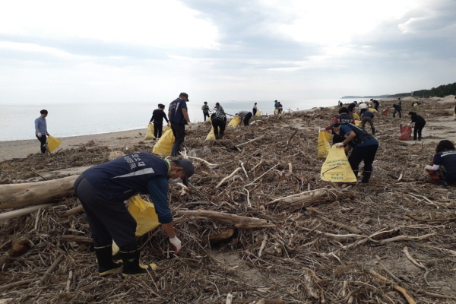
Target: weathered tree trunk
[238,221]
[29,194]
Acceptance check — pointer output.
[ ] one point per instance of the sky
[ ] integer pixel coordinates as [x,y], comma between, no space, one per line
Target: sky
[150,50]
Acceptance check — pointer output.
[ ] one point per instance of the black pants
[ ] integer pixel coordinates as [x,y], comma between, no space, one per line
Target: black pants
[247,118]
[158,129]
[366,154]
[205,115]
[218,123]
[399,113]
[108,218]
[42,140]
[417,130]
[179,135]
[254,112]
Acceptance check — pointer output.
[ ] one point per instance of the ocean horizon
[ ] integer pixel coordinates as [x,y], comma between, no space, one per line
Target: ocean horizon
[76,119]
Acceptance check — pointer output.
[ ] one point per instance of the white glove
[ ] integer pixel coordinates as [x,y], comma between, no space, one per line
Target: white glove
[338,145]
[177,244]
[322,129]
[428,167]
[39,134]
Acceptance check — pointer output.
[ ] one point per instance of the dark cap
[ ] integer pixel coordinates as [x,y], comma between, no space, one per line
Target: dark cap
[188,169]
[184,95]
[335,125]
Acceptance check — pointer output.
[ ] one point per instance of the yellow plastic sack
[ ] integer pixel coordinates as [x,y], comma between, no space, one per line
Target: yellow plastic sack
[415,105]
[53,143]
[150,132]
[323,144]
[234,122]
[208,119]
[276,111]
[355,116]
[372,110]
[258,113]
[358,122]
[336,167]
[164,145]
[144,214]
[166,129]
[211,134]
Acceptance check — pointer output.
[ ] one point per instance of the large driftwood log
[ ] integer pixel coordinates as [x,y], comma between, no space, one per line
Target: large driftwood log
[29,194]
[238,221]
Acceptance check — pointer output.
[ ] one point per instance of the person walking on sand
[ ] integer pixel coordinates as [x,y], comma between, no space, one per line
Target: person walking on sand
[367,117]
[102,191]
[444,163]
[157,119]
[364,147]
[245,117]
[41,130]
[255,109]
[178,116]
[419,121]
[205,109]
[218,119]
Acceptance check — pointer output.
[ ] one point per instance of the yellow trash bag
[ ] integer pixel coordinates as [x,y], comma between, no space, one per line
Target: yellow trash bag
[166,128]
[53,143]
[323,144]
[336,167]
[355,116]
[234,122]
[164,145]
[150,132]
[211,134]
[372,110]
[276,111]
[258,113]
[358,122]
[208,119]
[145,216]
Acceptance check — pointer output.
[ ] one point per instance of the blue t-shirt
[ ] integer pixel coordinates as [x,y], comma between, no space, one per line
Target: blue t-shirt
[447,159]
[40,125]
[131,174]
[175,111]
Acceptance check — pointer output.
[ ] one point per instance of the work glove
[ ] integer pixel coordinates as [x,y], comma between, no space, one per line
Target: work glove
[176,243]
[428,167]
[339,145]
[39,134]
[322,129]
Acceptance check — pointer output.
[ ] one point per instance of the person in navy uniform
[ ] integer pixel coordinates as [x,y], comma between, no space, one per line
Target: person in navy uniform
[102,191]
[178,116]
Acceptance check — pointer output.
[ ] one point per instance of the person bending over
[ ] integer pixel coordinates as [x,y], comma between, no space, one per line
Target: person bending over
[419,121]
[218,119]
[102,191]
[444,163]
[363,144]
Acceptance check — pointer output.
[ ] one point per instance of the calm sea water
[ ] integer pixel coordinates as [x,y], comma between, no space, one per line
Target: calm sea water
[70,119]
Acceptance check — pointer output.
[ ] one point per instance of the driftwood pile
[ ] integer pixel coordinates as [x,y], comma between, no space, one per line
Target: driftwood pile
[257,224]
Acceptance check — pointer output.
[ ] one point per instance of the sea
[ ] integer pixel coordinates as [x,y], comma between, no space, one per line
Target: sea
[75,119]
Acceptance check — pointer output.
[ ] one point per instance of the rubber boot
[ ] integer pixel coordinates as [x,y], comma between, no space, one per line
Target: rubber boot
[105,264]
[366,176]
[132,267]
[373,131]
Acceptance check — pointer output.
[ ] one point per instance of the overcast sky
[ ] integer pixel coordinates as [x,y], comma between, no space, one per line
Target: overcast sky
[111,51]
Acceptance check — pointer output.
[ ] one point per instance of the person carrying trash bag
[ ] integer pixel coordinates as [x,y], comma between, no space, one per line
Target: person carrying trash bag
[218,119]
[41,130]
[363,144]
[342,118]
[444,163]
[102,191]
[157,119]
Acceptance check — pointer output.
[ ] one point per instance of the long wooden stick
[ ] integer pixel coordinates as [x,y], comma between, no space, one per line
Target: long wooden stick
[12,214]
[228,177]
[237,220]
[247,142]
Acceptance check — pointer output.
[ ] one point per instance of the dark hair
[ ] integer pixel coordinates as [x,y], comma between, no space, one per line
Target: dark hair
[160,105]
[205,102]
[343,110]
[412,113]
[444,145]
[43,112]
